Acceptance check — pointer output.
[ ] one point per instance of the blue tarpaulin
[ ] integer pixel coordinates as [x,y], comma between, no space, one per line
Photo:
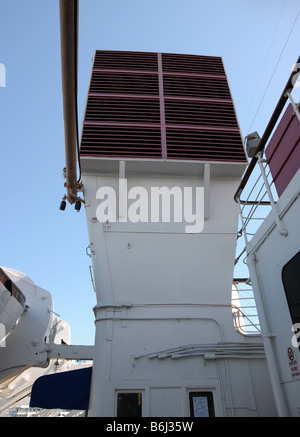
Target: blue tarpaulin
[65,390]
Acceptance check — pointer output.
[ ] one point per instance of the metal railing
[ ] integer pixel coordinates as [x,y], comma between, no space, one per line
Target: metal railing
[244,311]
[260,200]
[257,183]
[260,197]
[253,211]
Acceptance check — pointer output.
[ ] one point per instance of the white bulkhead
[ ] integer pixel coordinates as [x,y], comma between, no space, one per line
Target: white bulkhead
[165,342]
[273,261]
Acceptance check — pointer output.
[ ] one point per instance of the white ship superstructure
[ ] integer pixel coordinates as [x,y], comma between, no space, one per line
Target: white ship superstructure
[168,187]
[165,338]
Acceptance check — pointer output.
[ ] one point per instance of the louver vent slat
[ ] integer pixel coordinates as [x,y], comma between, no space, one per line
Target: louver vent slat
[200,87]
[203,144]
[124,83]
[122,110]
[199,113]
[150,105]
[192,64]
[125,60]
[121,141]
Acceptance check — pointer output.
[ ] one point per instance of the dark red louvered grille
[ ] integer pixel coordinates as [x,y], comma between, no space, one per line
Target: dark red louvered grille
[192,64]
[151,105]
[121,141]
[204,144]
[122,110]
[123,83]
[125,60]
[199,87]
[200,113]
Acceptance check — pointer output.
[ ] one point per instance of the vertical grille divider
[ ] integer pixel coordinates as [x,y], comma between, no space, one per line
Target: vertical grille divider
[162,107]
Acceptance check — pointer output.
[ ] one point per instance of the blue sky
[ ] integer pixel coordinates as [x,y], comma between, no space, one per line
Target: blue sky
[259,43]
